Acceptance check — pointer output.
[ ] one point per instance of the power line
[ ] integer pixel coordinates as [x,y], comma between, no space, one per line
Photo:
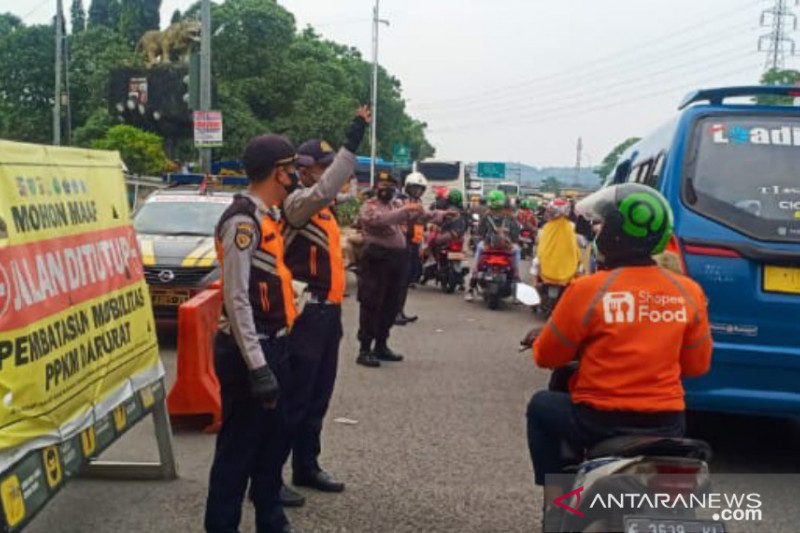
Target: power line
[645,81]
[596,70]
[656,41]
[514,104]
[548,116]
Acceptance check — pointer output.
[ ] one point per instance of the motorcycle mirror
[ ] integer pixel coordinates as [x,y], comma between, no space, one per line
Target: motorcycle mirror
[528,295]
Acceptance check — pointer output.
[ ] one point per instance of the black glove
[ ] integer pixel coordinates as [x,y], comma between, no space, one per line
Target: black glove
[355,133]
[264,385]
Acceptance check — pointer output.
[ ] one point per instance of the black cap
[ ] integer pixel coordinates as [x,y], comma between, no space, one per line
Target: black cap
[315,152]
[264,153]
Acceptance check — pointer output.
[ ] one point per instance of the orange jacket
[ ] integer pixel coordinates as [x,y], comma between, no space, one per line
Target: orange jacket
[636,331]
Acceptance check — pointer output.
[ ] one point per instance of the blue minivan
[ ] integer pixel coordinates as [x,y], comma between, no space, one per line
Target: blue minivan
[731,171]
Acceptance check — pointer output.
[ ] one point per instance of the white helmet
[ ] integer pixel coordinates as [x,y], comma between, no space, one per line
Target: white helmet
[416,178]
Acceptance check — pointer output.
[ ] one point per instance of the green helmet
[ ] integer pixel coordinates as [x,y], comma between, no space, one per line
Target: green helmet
[456,198]
[496,200]
[526,204]
[636,219]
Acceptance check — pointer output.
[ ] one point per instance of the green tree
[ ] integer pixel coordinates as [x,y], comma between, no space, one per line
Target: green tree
[96,127]
[27,59]
[142,152]
[78,16]
[176,17]
[8,23]
[138,16]
[778,77]
[551,184]
[104,13]
[93,54]
[610,161]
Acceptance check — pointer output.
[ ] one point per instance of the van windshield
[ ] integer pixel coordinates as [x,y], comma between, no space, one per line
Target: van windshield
[745,173]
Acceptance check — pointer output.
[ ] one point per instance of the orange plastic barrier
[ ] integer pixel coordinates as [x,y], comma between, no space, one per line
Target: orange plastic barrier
[196,390]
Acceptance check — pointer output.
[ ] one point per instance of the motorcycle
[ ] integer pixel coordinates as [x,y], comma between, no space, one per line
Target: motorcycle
[527,238]
[550,292]
[447,268]
[632,464]
[496,275]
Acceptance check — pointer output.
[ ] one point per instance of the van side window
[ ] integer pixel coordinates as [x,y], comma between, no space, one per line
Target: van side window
[654,178]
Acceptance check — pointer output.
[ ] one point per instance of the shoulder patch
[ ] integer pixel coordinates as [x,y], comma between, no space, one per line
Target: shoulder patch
[245,231]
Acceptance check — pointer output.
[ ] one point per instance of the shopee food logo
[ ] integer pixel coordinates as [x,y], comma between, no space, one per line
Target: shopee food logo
[628,308]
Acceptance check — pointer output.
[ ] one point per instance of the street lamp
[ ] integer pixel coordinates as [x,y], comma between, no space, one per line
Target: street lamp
[376,22]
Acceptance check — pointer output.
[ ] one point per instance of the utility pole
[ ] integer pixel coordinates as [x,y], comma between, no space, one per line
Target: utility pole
[782,20]
[579,160]
[205,77]
[376,22]
[59,57]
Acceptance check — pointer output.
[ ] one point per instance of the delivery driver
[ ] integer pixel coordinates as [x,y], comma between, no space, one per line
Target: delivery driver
[635,330]
[251,356]
[313,253]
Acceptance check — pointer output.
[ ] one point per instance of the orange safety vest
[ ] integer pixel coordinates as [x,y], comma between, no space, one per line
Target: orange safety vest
[270,290]
[314,255]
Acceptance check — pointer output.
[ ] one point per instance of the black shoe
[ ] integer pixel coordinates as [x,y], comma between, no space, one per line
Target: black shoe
[400,320]
[291,498]
[289,528]
[409,319]
[319,480]
[368,359]
[388,355]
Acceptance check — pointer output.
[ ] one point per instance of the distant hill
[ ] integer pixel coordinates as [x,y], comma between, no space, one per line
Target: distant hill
[530,176]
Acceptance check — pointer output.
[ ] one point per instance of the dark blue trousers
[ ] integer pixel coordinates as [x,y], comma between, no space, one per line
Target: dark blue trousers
[553,420]
[314,348]
[252,444]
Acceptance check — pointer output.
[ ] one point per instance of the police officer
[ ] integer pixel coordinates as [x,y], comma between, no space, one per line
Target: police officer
[382,270]
[314,255]
[251,355]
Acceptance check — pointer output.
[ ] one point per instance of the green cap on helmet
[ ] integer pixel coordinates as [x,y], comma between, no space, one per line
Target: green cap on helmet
[456,198]
[496,199]
[637,220]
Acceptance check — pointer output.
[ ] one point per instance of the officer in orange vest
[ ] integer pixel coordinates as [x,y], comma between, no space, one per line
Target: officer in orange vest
[314,254]
[251,356]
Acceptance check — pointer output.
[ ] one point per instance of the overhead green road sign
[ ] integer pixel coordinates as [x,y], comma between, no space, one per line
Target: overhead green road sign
[492,170]
[401,155]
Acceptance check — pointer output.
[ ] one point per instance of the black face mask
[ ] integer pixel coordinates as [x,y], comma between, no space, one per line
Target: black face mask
[385,195]
[294,176]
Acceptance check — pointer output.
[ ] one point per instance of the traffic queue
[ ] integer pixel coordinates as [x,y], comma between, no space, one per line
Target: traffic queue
[282,258]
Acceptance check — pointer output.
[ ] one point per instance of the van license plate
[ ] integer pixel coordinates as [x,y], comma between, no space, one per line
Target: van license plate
[781,279]
[660,525]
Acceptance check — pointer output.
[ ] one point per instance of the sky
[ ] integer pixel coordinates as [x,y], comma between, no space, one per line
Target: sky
[522,80]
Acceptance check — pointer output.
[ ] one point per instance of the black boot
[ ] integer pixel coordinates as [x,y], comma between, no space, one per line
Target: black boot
[400,320]
[384,353]
[367,358]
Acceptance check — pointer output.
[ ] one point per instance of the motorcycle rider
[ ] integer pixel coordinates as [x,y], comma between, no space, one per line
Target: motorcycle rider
[635,328]
[497,229]
[449,224]
[414,188]
[558,253]
[526,218]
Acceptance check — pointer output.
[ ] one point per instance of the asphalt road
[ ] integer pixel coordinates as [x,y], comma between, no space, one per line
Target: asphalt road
[439,445]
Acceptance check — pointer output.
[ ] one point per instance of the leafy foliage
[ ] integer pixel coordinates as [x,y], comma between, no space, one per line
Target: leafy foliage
[269,77]
[143,152]
[778,77]
[610,162]
[77,16]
